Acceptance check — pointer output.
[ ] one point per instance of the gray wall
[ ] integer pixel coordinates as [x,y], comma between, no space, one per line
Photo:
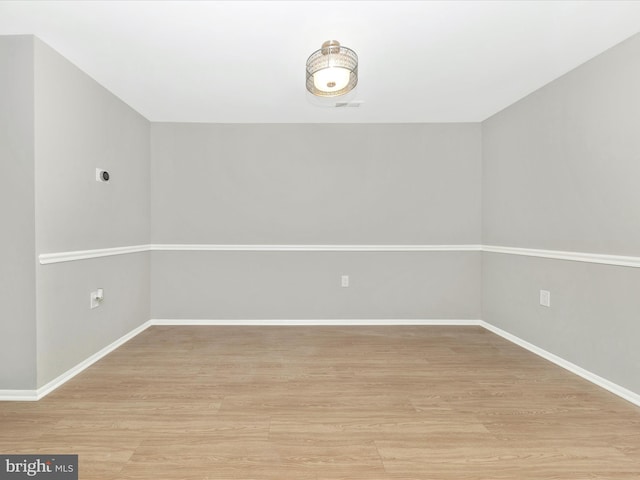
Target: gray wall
[68,331]
[560,172]
[593,321]
[17,241]
[79,126]
[561,167]
[306,285]
[315,184]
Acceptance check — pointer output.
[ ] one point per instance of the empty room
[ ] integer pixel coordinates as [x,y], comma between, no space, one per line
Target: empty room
[320,240]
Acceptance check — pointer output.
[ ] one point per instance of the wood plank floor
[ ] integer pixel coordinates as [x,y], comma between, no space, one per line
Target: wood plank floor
[326,403]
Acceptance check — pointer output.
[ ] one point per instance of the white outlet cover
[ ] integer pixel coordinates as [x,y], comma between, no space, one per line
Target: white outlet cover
[345,280]
[545,298]
[96,298]
[94,302]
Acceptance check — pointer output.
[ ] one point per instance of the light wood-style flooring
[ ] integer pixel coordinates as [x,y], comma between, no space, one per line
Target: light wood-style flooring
[320,403]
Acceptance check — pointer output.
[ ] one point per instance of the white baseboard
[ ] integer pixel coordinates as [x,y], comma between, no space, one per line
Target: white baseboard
[72,372]
[314,322]
[18,395]
[561,362]
[315,248]
[33,395]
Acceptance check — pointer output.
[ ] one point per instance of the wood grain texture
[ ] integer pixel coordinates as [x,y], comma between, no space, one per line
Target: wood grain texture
[328,403]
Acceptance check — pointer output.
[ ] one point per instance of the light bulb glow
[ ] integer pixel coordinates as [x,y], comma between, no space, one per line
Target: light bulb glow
[331,79]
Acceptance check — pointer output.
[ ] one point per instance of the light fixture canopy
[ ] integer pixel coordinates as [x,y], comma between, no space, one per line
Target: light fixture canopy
[332,71]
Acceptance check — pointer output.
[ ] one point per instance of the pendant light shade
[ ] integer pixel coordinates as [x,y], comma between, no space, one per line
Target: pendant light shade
[332,71]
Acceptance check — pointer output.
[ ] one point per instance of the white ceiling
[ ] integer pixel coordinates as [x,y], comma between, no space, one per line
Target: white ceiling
[244,62]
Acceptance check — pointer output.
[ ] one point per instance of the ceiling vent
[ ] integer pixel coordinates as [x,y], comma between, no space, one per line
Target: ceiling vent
[355,104]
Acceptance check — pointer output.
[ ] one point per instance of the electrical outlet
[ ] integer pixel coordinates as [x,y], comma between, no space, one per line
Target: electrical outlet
[102,175]
[97,296]
[545,298]
[344,280]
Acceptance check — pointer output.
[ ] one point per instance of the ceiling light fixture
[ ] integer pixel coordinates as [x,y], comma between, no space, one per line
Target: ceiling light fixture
[332,71]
